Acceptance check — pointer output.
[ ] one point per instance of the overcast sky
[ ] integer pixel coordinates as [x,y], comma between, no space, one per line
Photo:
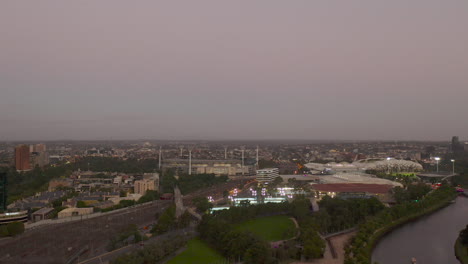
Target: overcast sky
[233,69]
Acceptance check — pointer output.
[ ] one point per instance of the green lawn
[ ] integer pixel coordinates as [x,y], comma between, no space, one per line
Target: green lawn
[404,174]
[272,228]
[198,252]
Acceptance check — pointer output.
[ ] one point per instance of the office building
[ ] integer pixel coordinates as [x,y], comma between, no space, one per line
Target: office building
[39,155]
[22,158]
[267,175]
[141,186]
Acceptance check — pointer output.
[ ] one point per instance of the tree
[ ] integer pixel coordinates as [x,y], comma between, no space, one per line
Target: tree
[202,204]
[314,246]
[257,253]
[464,236]
[149,196]
[168,181]
[166,221]
[81,204]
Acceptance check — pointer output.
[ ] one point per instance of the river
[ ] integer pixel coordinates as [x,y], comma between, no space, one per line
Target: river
[430,240]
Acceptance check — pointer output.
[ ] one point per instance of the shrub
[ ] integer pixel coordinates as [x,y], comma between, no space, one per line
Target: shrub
[15,228]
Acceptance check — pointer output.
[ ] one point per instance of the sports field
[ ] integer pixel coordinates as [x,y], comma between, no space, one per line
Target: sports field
[272,228]
[411,174]
[198,252]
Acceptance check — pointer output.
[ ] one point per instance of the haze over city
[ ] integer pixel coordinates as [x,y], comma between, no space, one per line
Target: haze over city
[233,70]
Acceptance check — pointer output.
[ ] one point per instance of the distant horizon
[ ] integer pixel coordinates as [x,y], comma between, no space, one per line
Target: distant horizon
[230,140]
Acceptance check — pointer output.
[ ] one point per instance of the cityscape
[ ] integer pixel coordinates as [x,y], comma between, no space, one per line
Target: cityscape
[95,191]
[210,132]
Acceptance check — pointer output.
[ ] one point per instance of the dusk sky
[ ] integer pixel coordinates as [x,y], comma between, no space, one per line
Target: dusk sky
[348,70]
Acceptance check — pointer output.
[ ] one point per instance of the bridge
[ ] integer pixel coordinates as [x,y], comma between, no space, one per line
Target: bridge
[439,176]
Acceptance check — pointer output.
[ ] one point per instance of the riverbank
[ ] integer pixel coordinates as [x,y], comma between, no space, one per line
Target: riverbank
[461,252]
[379,234]
[373,230]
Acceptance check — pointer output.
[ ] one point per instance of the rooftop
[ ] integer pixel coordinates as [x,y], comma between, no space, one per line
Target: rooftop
[353,187]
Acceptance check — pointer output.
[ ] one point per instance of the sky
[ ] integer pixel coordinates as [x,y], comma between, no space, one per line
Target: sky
[271,69]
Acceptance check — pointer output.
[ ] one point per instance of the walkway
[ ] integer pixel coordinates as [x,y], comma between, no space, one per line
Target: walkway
[338,242]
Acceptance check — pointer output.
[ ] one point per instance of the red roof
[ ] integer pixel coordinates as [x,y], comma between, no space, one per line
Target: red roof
[352,187]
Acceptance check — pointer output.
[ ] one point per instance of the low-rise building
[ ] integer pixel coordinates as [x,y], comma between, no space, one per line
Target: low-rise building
[69,212]
[353,190]
[132,197]
[42,214]
[55,183]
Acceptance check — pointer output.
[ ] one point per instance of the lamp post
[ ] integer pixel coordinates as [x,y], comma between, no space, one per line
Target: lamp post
[453,166]
[437,162]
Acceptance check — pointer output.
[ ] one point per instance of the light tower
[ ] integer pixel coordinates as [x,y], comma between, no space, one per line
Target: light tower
[242,151]
[190,148]
[160,153]
[453,166]
[437,163]
[181,147]
[257,158]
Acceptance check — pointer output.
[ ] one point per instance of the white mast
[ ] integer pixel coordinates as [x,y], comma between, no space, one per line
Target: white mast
[190,148]
[160,153]
[243,150]
[257,157]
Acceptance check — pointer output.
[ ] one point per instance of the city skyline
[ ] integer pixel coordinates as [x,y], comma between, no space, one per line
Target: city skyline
[232,71]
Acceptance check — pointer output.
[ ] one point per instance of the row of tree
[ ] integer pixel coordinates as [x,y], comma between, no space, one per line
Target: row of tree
[167,221]
[24,184]
[360,249]
[110,164]
[154,252]
[128,235]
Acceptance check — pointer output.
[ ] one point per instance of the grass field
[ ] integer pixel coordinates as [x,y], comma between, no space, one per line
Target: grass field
[404,174]
[271,228]
[198,252]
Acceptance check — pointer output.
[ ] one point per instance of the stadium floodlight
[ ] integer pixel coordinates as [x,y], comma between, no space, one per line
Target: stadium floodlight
[437,162]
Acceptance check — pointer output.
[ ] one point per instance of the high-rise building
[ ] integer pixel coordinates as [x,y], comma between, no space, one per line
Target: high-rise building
[3,191]
[39,148]
[456,145]
[39,155]
[22,158]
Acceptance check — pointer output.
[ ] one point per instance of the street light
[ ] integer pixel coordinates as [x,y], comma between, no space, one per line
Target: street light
[437,162]
[453,166]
